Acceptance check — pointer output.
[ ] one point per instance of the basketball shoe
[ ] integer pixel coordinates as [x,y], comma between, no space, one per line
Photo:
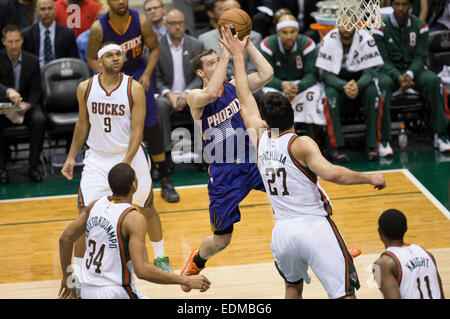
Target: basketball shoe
[162,262]
[190,269]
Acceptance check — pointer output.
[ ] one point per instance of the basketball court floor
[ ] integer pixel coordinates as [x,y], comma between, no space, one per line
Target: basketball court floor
[30,228]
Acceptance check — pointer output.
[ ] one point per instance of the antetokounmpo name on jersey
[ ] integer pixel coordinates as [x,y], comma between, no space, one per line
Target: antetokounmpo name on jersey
[108,109]
[106,225]
[224,114]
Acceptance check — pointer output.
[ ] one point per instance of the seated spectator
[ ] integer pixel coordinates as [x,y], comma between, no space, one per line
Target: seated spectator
[209,40]
[440,16]
[47,39]
[155,10]
[8,14]
[82,42]
[79,19]
[174,74]
[403,44]
[187,7]
[348,60]
[20,81]
[293,58]
[213,9]
[300,9]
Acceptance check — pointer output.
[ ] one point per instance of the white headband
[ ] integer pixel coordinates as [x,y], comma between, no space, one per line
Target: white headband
[287,23]
[108,48]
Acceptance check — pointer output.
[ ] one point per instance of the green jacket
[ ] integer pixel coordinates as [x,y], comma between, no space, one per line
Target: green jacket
[299,64]
[403,49]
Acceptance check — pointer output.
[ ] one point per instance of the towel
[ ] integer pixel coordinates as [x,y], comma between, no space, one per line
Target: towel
[363,53]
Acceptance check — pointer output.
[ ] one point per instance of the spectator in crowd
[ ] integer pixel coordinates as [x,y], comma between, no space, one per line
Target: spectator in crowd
[48,39]
[301,9]
[420,8]
[209,40]
[20,80]
[403,44]
[174,75]
[293,58]
[25,13]
[440,16]
[155,11]
[348,60]
[8,14]
[213,9]
[79,18]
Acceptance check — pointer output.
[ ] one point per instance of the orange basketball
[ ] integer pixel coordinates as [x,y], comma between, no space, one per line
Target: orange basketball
[239,19]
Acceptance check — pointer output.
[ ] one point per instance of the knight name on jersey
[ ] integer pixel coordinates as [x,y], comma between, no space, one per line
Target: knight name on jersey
[106,225]
[270,156]
[224,114]
[417,262]
[108,109]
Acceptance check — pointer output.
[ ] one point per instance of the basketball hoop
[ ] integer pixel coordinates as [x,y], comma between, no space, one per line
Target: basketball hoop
[359,14]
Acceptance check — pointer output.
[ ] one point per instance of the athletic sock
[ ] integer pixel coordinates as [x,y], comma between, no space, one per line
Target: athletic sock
[158,248]
[199,261]
[162,169]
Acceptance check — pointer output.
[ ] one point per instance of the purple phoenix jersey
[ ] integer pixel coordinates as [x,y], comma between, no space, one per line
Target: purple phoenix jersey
[132,44]
[224,131]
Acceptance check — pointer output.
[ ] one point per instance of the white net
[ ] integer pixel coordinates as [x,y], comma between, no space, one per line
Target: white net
[359,14]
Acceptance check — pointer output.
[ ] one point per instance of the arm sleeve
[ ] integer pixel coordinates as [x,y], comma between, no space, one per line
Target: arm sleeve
[366,78]
[332,80]
[421,52]
[388,66]
[35,97]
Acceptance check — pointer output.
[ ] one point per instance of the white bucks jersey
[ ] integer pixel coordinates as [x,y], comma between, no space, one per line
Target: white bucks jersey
[106,261]
[293,189]
[109,115]
[416,272]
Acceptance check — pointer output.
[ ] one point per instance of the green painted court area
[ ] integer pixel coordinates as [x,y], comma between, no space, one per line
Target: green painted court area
[430,167]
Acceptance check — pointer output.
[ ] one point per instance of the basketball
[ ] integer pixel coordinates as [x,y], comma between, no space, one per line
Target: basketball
[239,19]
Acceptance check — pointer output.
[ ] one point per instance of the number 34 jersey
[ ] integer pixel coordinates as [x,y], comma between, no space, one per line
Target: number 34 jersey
[107,260]
[293,189]
[109,115]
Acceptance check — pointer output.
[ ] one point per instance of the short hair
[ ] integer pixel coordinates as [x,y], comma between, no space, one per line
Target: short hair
[210,4]
[10,28]
[392,224]
[120,179]
[160,2]
[277,111]
[196,61]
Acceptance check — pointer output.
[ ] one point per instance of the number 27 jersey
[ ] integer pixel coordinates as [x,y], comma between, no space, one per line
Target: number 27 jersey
[109,115]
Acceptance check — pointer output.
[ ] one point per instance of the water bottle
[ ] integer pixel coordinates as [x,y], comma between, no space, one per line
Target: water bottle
[402,137]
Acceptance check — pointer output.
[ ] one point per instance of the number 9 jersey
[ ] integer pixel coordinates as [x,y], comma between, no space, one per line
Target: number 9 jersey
[109,115]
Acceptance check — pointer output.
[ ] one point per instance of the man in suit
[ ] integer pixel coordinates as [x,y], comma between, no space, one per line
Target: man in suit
[174,75]
[48,39]
[20,75]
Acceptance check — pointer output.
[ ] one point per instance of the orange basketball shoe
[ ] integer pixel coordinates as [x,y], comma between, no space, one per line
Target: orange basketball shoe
[355,252]
[190,269]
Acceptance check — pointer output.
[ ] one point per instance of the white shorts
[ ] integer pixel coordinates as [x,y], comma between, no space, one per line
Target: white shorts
[111,292]
[314,241]
[94,177]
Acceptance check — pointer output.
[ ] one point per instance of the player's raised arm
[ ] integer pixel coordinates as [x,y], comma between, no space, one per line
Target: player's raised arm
[138,111]
[306,151]
[249,108]
[94,42]
[264,71]
[81,131]
[135,227]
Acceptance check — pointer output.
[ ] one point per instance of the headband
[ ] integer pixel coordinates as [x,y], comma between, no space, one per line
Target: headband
[108,48]
[287,23]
